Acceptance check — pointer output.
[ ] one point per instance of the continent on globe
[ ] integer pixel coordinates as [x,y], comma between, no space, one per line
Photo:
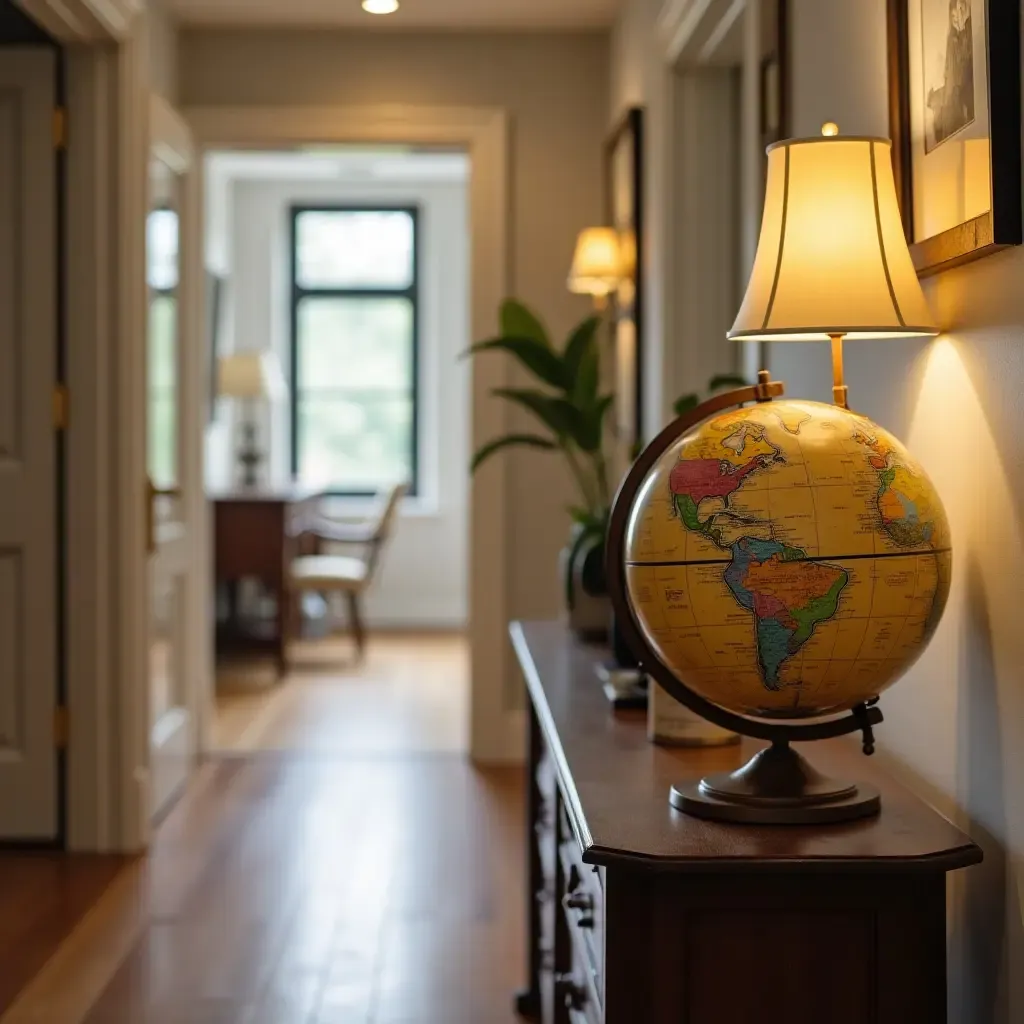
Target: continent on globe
[788,594]
[903,500]
[693,480]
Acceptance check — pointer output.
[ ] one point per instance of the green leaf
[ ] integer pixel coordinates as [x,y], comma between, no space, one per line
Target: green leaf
[557,414]
[519,322]
[685,404]
[588,377]
[540,360]
[592,417]
[583,516]
[509,441]
[580,342]
[727,380]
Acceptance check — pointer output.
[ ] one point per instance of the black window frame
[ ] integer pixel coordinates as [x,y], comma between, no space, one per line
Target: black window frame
[298,293]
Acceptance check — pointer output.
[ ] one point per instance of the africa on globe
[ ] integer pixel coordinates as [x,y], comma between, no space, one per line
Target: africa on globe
[788,559]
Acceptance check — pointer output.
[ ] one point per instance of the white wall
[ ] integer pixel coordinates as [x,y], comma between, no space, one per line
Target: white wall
[955,724]
[423,577]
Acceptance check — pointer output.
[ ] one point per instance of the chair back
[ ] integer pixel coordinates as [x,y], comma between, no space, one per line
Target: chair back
[385,524]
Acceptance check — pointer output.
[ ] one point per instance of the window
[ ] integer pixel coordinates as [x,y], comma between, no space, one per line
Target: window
[354,339]
[162,330]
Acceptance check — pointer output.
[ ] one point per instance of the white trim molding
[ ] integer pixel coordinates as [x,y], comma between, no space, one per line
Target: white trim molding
[84,21]
[108,109]
[691,31]
[497,732]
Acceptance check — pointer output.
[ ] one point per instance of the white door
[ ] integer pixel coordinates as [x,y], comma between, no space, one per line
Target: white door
[170,394]
[28,461]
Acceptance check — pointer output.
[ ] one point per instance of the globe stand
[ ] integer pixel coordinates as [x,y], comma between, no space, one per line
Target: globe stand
[777,786]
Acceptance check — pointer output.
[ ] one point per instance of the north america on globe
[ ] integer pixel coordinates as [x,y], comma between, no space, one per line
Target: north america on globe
[788,559]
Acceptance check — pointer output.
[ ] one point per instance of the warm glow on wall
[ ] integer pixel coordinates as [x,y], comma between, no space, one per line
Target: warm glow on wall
[380,6]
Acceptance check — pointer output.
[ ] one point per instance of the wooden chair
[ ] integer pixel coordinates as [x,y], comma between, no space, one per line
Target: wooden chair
[350,575]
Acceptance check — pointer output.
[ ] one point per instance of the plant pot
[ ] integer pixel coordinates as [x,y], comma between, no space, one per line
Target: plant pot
[587,604]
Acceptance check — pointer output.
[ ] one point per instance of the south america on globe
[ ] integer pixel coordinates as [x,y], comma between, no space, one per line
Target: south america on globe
[788,559]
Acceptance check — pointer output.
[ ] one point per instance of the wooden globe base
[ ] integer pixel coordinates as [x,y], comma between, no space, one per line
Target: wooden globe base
[777,786]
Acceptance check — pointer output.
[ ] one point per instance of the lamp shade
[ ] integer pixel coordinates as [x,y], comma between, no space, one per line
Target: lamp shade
[250,375]
[832,257]
[596,264]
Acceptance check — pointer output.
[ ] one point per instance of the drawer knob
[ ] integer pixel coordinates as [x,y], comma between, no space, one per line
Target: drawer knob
[572,995]
[581,901]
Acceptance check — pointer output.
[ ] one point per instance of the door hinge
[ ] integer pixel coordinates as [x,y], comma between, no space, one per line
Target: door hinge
[60,128]
[61,403]
[61,726]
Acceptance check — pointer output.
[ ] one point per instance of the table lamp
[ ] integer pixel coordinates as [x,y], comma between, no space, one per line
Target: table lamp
[250,377]
[832,260]
[776,564]
[596,264]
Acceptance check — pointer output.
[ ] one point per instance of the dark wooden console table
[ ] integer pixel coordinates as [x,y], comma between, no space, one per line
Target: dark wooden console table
[641,915]
[256,534]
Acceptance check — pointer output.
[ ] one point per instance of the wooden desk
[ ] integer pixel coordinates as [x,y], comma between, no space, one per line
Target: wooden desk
[641,915]
[256,535]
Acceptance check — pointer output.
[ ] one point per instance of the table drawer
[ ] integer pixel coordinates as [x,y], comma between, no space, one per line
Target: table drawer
[582,905]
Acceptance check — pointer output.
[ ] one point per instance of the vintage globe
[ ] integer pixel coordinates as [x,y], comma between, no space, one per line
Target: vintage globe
[787,559]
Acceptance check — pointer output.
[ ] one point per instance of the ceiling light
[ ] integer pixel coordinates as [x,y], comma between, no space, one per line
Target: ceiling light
[380,6]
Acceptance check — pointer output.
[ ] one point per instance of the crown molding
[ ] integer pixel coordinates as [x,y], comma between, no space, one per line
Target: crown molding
[84,21]
[691,32]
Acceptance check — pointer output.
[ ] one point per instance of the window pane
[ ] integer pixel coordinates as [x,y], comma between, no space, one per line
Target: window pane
[163,390]
[355,343]
[357,440]
[354,249]
[162,250]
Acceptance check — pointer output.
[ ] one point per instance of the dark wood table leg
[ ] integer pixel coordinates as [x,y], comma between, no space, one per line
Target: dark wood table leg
[285,599]
[528,999]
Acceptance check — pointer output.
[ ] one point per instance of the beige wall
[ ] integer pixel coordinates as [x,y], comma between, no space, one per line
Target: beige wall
[555,89]
[162,32]
[955,725]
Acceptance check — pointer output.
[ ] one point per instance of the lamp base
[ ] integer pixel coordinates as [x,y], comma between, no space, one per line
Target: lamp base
[777,786]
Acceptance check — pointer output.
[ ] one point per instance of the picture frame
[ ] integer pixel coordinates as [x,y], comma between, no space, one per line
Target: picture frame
[624,191]
[955,115]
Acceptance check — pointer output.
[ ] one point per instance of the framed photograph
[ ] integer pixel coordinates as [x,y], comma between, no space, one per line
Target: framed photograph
[954,111]
[774,86]
[624,188]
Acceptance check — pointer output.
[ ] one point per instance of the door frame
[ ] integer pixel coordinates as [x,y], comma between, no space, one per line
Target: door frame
[171,143]
[107,161]
[496,729]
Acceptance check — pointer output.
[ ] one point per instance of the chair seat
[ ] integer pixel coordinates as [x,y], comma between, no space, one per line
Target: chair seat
[328,572]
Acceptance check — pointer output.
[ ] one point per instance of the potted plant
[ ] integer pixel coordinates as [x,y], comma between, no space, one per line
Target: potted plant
[571,411]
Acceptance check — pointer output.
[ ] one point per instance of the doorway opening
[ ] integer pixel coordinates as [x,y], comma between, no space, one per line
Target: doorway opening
[338,302]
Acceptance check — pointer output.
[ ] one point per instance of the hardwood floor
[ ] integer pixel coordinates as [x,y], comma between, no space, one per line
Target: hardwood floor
[339,865]
[43,896]
[410,695]
[287,890]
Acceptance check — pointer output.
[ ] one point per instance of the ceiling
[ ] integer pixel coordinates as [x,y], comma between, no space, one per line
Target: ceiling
[502,15]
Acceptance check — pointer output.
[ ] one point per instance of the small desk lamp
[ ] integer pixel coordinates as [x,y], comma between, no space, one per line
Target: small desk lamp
[250,377]
[832,260]
[596,264]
